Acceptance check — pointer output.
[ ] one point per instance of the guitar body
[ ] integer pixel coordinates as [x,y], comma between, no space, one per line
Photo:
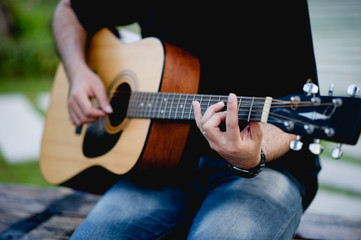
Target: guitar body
[115,146]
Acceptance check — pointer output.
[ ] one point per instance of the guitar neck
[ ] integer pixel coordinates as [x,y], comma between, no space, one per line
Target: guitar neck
[178,106]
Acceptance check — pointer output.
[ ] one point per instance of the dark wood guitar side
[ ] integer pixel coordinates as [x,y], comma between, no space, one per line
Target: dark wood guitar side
[181,75]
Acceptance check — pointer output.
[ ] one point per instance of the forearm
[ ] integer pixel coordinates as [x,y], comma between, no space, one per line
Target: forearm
[70,38]
[275,142]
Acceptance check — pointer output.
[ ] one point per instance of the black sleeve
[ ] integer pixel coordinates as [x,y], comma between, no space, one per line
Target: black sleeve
[95,14]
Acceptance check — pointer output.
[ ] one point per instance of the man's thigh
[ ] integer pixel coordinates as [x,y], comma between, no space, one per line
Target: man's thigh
[268,206]
[135,211]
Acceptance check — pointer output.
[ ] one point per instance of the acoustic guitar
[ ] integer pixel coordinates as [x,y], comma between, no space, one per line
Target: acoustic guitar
[151,86]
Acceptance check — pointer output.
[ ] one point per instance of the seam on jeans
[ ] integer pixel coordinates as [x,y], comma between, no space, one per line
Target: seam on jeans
[171,230]
[288,222]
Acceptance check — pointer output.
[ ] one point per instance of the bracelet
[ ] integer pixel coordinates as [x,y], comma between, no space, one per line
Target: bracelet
[249,173]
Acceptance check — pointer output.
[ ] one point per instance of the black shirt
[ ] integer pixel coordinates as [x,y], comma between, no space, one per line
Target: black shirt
[250,49]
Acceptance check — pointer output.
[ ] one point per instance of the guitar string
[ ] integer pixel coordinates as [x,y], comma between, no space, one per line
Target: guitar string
[185,105]
[189,110]
[278,116]
[256,116]
[243,106]
[249,108]
[247,105]
[243,100]
[201,96]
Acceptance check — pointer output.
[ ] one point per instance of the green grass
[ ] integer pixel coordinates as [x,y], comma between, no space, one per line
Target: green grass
[340,191]
[28,85]
[22,173]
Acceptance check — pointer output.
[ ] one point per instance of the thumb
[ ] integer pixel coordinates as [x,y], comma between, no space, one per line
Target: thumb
[102,98]
[256,131]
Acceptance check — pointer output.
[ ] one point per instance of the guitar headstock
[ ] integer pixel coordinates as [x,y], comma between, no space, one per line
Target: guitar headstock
[332,118]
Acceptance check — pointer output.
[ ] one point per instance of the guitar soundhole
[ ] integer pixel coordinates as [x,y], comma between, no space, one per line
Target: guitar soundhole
[102,135]
[119,102]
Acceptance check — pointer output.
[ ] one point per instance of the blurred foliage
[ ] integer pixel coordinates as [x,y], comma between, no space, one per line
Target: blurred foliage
[29,49]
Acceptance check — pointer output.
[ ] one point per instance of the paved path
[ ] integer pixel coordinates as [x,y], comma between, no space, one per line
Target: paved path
[20,129]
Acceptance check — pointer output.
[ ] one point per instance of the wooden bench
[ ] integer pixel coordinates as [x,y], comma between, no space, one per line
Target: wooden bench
[28,212]
[41,213]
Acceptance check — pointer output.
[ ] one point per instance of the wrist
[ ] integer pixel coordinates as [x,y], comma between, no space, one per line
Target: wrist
[251,172]
[77,70]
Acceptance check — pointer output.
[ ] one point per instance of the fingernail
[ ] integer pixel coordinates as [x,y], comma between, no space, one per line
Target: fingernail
[108,109]
[220,103]
[231,97]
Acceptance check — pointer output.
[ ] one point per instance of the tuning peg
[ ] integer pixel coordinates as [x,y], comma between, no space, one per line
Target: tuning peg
[310,88]
[316,147]
[296,144]
[353,90]
[337,151]
[331,89]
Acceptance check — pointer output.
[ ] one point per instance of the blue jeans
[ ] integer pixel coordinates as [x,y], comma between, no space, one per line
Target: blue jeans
[214,205]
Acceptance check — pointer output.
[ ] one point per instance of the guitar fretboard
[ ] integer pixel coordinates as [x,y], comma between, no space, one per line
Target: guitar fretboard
[161,105]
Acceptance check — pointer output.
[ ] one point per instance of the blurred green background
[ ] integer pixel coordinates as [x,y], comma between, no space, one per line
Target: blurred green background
[28,61]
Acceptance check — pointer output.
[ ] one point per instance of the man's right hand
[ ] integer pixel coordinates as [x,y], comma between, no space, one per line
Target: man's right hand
[84,87]
[70,38]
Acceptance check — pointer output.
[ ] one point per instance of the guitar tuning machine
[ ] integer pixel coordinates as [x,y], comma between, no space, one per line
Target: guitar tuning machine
[331,89]
[310,88]
[316,147]
[353,90]
[290,125]
[330,132]
[309,128]
[337,151]
[296,145]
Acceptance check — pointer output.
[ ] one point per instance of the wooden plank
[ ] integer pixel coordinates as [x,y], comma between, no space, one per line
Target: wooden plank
[41,213]
[18,202]
[317,226]
[58,227]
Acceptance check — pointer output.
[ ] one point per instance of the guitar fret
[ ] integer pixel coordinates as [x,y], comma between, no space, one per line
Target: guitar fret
[130,105]
[200,99]
[135,107]
[250,110]
[145,103]
[156,104]
[171,105]
[149,105]
[165,100]
[161,104]
[190,110]
[184,106]
[145,107]
[209,101]
[240,102]
[176,110]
